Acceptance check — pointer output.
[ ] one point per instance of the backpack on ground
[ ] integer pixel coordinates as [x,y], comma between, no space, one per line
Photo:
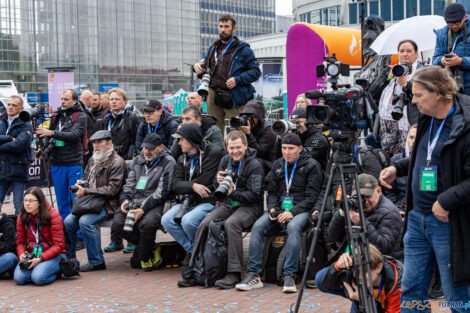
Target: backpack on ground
[274,257]
[74,120]
[371,161]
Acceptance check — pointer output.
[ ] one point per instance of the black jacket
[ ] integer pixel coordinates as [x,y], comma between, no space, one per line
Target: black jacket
[305,188]
[99,115]
[15,155]
[383,225]
[123,129]
[72,151]
[204,172]
[455,163]
[249,189]
[166,127]
[7,235]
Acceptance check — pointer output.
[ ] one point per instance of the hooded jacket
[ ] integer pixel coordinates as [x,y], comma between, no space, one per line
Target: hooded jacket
[305,188]
[249,180]
[123,128]
[165,128]
[455,163]
[7,235]
[15,154]
[71,134]
[158,187]
[99,115]
[53,233]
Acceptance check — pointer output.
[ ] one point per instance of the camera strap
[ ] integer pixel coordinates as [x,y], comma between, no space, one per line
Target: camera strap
[238,173]
[432,143]
[289,181]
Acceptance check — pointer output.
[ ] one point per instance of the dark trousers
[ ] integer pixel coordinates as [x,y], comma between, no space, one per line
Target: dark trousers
[236,220]
[144,232]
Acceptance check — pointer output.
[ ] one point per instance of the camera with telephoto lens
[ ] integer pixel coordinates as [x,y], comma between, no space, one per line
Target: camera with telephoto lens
[130,217]
[203,89]
[282,127]
[400,101]
[276,214]
[28,257]
[402,69]
[353,202]
[222,191]
[239,121]
[185,204]
[81,183]
[34,113]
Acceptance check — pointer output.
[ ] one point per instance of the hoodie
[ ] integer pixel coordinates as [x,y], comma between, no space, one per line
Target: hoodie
[7,235]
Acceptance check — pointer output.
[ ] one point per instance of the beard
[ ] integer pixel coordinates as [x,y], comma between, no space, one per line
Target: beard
[225,36]
[98,155]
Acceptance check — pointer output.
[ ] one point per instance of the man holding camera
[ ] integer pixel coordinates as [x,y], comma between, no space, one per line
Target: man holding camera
[192,182]
[294,186]
[452,46]
[66,133]
[105,173]
[383,220]
[15,152]
[232,68]
[143,196]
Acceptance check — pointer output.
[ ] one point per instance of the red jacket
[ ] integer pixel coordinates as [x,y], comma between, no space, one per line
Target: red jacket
[54,233]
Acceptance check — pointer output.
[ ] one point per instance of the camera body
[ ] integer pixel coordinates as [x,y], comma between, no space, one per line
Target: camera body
[282,127]
[402,69]
[353,202]
[239,121]
[222,191]
[81,183]
[203,89]
[185,204]
[27,261]
[400,101]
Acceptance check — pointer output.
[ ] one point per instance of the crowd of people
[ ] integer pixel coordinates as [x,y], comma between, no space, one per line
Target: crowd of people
[185,174]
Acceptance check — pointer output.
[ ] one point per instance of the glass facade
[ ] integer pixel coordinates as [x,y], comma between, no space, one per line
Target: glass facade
[142,45]
[326,16]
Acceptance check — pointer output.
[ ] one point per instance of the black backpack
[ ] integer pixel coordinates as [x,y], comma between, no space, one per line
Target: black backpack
[274,257]
[371,161]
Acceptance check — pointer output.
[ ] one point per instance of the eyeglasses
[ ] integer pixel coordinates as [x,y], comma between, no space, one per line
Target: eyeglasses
[30,201]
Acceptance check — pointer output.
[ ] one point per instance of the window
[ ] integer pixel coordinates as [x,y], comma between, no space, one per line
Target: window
[385,10]
[424,7]
[411,8]
[397,10]
[315,17]
[374,8]
[325,16]
[353,13]
[439,7]
[465,3]
[332,16]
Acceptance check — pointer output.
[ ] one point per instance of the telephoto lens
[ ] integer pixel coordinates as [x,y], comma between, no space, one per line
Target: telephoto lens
[282,127]
[203,89]
[183,210]
[222,191]
[129,223]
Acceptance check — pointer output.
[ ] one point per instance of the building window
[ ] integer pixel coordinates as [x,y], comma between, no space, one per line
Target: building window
[324,16]
[411,8]
[315,17]
[397,10]
[439,6]
[353,13]
[424,7]
[465,3]
[332,16]
[385,10]
[374,8]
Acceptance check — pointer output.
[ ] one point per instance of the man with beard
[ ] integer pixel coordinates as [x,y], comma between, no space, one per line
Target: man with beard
[233,67]
[105,174]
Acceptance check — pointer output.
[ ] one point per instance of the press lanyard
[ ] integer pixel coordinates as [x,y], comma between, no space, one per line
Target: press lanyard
[289,181]
[36,234]
[455,41]
[225,50]
[191,169]
[155,131]
[238,173]
[147,170]
[110,126]
[432,144]
[355,153]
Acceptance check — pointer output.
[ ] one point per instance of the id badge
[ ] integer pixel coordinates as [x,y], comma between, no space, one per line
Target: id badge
[37,250]
[287,203]
[428,178]
[59,143]
[142,183]
[233,202]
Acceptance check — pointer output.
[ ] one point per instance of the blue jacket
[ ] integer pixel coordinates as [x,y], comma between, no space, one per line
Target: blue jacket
[15,154]
[244,67]
[166,127]
[461,49]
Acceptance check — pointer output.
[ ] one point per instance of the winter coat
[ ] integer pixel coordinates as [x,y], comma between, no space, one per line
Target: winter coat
[383,225]
[98,116]
[158,187]
[109,180]
[15,155]
[455,163]
[7,235]
[53,233]
[305,188]
[249,189]
[204,172]
[166,127]
[71,134]
[244,67]
[123,128]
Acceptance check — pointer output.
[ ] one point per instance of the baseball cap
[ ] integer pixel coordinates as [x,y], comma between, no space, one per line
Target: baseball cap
[367,184]
[454,13]
[152,141]
[152,105]
[291,139]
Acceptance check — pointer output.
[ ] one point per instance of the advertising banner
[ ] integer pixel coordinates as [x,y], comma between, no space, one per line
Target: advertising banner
[58,82]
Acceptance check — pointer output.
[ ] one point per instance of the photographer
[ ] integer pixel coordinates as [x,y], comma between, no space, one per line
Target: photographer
[66,133]
[147,187]
[8,258]
[206,123]
[105,173]
[15,152]
[386,273]
[383,220]
[232,67]
[193,180]
[294,185]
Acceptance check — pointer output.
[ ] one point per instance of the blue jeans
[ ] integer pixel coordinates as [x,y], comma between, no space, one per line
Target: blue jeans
[427,241]
[18,193]
[64,177]
[339,291]
[264,226]
[186,232]
[8,261]
[42,274]
[91,235]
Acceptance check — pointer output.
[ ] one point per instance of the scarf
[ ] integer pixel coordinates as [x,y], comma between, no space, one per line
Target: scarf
[92,178]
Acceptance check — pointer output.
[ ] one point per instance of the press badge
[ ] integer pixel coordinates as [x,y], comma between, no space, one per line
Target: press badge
[287,203]
[59,143]
[233,202]
[428,178]
[142,183]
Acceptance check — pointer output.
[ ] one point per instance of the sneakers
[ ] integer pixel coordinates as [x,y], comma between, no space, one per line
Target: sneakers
[147,266]
[251,281]
[154,262]
[229,281]
[289,284]
[129,248]
[436,291]
[113,247]
[311,284]
[91,268]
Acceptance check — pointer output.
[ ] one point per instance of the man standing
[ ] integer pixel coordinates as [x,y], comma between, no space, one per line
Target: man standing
[437,214]
[104,100]
[195,99]
[15,152]
[98,112]
[453,46]
[233,68]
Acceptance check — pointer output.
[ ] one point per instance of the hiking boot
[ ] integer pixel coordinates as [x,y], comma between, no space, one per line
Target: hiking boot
[251,281]
[289,284]
[91,268]
[229,281]
[129,248]
[185,283]
[113,247]
[147,266]
[156,258]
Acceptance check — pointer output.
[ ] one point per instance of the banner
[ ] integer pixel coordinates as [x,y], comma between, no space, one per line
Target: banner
[57,83]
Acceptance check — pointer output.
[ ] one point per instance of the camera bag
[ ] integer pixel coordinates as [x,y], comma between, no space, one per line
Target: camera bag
[223,98]
[88,204]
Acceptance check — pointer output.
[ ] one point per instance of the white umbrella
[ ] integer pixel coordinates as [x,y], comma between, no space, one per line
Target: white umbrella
[420,29]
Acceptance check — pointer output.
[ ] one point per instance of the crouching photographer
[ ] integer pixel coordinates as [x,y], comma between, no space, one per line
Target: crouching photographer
[294,186]
[386,272]
[194,174]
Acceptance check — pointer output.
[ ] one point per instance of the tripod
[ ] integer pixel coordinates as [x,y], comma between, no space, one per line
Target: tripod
[356,234]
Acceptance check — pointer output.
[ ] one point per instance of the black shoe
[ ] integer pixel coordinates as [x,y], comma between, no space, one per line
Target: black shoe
[91,268]
[229,281]
[80,245]
[436,292]
[185,283]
